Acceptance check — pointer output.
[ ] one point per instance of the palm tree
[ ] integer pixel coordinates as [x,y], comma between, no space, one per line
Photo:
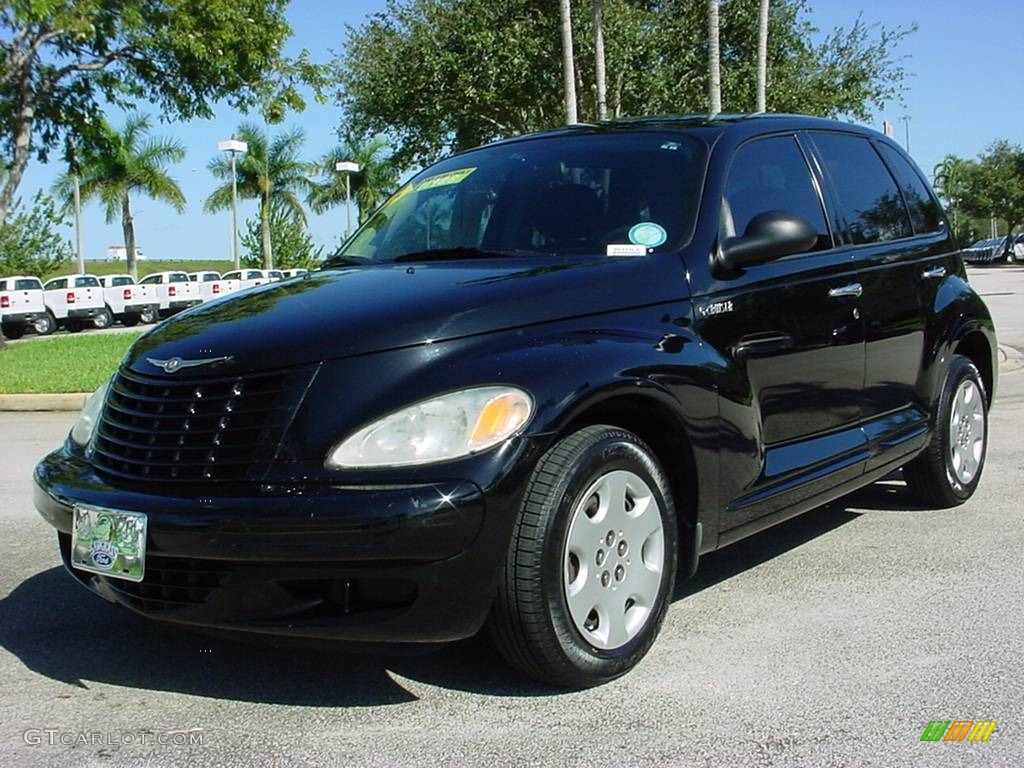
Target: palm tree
[714,60]
[602,89]
[762,57]
[568,65]
[270,171]
[376,180]
[124,164]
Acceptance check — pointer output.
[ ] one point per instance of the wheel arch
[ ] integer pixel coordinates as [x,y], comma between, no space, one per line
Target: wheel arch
[974,345]
[650,415]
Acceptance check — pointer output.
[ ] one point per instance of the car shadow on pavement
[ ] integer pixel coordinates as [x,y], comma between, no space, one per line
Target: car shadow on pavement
[58,630]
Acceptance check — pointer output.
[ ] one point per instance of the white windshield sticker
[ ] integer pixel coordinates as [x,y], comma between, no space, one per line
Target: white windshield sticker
[626,249]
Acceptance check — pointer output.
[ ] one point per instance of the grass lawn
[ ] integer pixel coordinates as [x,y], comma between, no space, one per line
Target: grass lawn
[100,268]
[63,363]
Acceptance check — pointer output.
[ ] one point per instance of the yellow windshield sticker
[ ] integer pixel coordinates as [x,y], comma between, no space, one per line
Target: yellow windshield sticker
[445,179]
[405,190]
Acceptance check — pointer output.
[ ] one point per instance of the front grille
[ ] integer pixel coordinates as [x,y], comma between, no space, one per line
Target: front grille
[200,430]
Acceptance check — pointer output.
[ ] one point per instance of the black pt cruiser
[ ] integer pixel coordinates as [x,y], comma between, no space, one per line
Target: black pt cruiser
[544,378]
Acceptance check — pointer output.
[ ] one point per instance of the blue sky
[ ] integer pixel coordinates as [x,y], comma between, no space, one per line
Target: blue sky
[965,92]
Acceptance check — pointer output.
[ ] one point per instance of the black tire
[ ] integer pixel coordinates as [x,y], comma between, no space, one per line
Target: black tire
[104,319]
[13,330]
[931,476]
[73,326]
[46,324]
[130,321]
[530,621]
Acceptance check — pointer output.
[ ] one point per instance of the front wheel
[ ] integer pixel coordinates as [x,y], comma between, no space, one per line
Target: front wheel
[590,569]
[947,473]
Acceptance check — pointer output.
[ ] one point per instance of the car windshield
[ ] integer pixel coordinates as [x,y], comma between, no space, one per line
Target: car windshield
[556,196]
[118,281]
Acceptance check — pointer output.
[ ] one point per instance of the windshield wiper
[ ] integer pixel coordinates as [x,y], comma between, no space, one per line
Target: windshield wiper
[342,261]
[463,252]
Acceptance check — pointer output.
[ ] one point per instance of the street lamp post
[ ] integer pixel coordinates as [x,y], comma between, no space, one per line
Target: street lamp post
[348,168]
[233,146]
[906,130]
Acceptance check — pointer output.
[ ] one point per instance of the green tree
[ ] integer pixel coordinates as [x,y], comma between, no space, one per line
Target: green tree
[376,180]
[61,60]
[123,164]
[292,245]
[442,75]
[30,241]
[270,172]
[950,176]
[993,185]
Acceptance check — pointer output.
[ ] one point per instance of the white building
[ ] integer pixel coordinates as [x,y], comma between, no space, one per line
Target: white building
[120,253]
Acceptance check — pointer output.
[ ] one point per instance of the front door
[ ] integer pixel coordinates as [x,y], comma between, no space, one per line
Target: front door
[792,334]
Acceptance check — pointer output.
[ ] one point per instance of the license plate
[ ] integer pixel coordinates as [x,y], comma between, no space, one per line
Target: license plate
[109,542]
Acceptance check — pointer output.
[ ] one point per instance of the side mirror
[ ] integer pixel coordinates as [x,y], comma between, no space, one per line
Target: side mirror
[769,235]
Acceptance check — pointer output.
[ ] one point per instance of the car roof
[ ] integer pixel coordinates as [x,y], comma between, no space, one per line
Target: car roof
[703,125]
[20,277]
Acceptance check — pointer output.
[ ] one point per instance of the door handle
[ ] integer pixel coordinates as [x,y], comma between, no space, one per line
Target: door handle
[936,272]
[853,289]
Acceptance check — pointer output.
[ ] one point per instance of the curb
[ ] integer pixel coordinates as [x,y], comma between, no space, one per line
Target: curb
[1010,360]
[67,401]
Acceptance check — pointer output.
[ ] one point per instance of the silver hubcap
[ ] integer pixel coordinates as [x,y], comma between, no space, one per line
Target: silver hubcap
[613,559]
[966,431]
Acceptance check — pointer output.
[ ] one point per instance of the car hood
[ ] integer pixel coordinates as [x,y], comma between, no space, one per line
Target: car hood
[350,311]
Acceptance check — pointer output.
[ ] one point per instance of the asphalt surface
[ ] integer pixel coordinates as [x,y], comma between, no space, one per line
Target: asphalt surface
[832,639]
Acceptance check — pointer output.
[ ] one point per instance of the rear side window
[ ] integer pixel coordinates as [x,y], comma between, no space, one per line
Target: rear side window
[771,174]
[868,196]
[56,284]
[925,214]
[231,276]
[152,280]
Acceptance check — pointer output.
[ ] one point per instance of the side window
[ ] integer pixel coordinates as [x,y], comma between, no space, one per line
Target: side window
[771,174]
[151,280]
[868,196]
[925,214]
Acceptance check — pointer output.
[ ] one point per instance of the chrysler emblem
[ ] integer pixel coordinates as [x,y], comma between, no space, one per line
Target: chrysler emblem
[175,364]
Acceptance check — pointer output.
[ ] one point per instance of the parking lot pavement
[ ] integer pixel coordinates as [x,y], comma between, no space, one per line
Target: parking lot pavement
[116,328]
[831,640]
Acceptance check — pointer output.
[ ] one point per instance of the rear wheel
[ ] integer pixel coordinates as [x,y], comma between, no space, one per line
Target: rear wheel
[46,324]
[148,316]
[73,326]
[592,562]
[948,471]
[13,330]
[130,321]
[104,319]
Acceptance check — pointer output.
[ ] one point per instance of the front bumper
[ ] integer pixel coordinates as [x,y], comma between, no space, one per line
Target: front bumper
[374,564]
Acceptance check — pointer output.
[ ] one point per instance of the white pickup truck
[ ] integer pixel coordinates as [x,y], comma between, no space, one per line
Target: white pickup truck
[212,285]
[174,291]
[23,307]
[248,278]
[76,301]
[290,273]
[129,302]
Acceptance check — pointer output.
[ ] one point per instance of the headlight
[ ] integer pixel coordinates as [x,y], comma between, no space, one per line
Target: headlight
[446,427]
[84,428]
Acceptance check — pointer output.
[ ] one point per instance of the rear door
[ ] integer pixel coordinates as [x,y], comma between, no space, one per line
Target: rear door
[792,330]
[895,267]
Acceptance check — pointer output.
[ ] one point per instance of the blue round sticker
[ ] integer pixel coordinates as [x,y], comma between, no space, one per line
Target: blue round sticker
[647,233]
